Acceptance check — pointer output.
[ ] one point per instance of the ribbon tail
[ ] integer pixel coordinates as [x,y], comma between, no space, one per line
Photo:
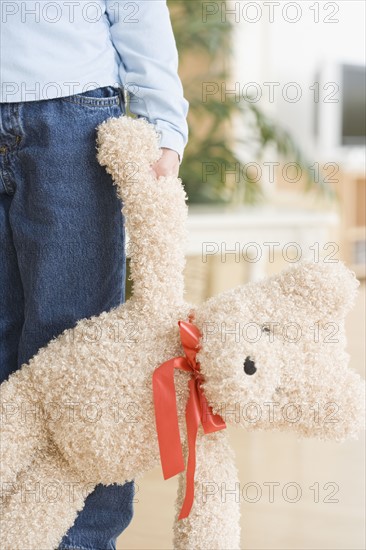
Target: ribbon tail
[193,418]
[167,427]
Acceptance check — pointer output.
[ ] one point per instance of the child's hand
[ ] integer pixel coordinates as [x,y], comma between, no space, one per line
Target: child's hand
[168,164]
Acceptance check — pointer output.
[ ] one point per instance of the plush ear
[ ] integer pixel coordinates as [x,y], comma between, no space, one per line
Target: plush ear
[126,145]
[326,288]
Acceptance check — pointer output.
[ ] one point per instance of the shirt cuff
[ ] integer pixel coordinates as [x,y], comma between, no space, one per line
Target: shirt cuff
[171,139]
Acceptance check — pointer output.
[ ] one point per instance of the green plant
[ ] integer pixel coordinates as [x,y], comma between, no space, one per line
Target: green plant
[211,152]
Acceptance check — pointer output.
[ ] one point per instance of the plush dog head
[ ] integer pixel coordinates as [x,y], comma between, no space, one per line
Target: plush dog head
[273,353]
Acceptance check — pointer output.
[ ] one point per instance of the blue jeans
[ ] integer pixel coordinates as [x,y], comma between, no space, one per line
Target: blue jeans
[62,252]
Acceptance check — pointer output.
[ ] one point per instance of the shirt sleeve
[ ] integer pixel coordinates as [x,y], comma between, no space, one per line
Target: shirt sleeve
[142,35]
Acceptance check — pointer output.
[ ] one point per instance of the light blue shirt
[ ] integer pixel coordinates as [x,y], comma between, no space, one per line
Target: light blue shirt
[63,47]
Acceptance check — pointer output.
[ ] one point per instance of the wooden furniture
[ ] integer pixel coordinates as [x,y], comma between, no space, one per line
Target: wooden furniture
[351,189]
[254,235]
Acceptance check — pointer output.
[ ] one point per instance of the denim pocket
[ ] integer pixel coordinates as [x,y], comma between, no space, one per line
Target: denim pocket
[108,96]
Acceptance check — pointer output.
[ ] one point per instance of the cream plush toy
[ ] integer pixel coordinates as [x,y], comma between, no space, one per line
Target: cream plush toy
[83,411]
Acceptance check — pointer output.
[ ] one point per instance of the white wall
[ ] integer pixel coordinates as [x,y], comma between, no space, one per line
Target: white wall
[283,52]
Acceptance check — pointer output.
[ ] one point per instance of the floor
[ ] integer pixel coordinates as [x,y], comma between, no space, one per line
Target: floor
[323,471]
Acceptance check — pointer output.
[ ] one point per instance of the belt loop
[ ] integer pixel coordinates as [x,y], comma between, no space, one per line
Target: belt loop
[122,95]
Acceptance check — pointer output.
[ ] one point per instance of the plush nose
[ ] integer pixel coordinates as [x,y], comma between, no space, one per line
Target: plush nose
[249,366]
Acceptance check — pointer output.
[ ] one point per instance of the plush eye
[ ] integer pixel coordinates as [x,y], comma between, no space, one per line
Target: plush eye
[249,366]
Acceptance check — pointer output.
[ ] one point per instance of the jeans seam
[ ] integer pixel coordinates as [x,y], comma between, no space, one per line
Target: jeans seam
[7,181]
[95,101]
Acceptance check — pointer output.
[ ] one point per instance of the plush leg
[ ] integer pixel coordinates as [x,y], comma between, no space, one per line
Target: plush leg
[44,506]
[214,520]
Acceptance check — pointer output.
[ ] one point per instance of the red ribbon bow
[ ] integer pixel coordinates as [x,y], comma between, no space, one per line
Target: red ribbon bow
[197,411]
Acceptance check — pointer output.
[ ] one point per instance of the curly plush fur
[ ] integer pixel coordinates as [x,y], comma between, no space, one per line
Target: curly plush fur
[81,412]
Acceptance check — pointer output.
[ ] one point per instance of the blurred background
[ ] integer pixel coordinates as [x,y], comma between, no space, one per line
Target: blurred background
[275,172]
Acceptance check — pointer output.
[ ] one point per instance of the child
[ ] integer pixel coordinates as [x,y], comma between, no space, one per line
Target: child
[65,67]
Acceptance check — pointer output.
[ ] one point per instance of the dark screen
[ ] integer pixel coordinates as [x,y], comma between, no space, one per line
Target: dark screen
[353,105]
